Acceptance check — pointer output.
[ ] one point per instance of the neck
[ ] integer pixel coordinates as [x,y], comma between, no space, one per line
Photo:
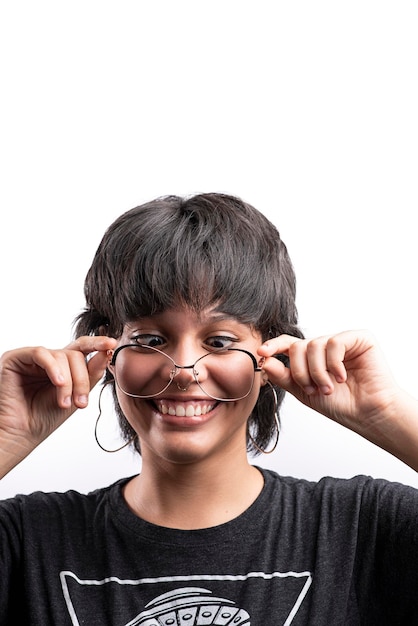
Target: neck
[192,496]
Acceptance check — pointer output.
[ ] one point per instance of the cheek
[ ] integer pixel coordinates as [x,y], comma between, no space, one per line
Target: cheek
[247,404]
[134,411]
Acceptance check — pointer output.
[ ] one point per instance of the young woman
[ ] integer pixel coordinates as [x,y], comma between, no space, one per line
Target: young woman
[190,314]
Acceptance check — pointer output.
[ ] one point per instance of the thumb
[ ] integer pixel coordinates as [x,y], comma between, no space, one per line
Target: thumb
[97,363]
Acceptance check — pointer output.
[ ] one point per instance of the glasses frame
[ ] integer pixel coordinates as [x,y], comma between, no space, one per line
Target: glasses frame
[177,368]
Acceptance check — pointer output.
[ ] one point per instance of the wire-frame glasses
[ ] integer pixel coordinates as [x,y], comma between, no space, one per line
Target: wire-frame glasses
[143,371]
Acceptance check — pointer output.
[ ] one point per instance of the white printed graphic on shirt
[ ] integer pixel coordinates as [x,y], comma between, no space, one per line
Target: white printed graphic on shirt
[281,595]
[190,605]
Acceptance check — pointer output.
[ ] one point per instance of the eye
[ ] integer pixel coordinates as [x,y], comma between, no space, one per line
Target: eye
[220,342]
[155,341]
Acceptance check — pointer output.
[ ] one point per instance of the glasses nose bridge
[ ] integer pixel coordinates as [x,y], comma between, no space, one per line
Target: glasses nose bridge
[178,369]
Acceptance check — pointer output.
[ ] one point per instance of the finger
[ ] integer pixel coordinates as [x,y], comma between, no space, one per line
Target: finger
[25,359]
[65,388]
[41,365]
[278,345]
[74,385]
[89,357]
[97,365]
[80,378]
[89,344]
[278,373]
[297,372]
[324,357]
[335,354]
[85,373]
[317,357]
[299,367]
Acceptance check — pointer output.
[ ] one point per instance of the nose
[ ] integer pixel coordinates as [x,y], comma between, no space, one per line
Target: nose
[186,375]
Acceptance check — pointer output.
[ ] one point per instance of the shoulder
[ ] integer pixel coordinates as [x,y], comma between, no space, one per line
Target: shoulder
[324,486]
[360,492]
[330,484]
[67,505]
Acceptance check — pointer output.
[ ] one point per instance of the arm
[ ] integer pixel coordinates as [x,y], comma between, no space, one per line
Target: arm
[346,378]
[40,389]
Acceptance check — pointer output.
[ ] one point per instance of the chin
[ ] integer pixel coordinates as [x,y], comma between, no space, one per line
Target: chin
[186,455]
[184,450]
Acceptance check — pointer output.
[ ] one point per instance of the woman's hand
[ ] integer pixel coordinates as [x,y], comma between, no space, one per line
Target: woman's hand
[346,378]
[41,388]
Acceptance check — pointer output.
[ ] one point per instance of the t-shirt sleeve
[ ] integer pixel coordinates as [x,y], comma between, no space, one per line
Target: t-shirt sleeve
[10,560]
[387,555]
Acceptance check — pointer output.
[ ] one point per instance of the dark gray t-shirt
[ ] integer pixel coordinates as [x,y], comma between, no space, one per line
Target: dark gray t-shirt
[327,553]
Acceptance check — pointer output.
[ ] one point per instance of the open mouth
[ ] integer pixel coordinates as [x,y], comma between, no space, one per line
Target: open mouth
[185,409]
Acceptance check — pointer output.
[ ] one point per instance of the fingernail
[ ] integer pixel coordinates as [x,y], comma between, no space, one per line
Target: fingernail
[83,399]
[310,390]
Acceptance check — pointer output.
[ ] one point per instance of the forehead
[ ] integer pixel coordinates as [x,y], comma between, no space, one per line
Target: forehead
[182,318]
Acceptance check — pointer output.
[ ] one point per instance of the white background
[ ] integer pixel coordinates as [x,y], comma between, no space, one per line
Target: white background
[307,110]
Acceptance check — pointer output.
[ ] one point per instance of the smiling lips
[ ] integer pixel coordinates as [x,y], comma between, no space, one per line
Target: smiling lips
[184,409]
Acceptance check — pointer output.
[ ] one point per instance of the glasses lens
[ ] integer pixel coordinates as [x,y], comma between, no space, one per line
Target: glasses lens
[145,372]
[226,375]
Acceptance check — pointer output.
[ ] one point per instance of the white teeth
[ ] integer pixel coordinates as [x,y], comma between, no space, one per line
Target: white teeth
[190,411]
[185,410]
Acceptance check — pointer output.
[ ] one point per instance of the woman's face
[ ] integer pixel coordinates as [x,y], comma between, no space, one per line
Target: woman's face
[180,422]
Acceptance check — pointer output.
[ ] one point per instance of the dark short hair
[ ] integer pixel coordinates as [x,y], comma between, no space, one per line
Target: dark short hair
[209,249]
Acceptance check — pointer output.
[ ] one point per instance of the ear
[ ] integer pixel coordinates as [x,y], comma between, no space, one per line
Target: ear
[102,330]
[264,378]
[109,361]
